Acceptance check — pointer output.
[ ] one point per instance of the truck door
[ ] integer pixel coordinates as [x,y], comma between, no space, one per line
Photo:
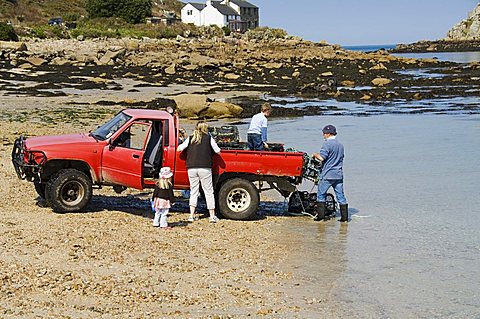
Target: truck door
[122,161]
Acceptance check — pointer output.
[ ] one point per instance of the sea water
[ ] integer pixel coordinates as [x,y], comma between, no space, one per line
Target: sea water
[412,247]
[459,57]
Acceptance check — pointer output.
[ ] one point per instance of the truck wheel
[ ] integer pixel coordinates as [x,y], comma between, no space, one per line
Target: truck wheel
[69,190]
[40,188]
[238,199]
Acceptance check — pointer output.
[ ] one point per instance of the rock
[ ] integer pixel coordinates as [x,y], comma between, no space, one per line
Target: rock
[197,105]
[111,55]
[381,81]
[295,74]
[327,74]
[468,29]
[190,67]
[347,83]
[171,69]
[220,110]
[272,65]
[379,66]
[36,61]
[366,97]
[60,61]
[231,76]
[189,105]
[132,45]
[15,46]
[25,66]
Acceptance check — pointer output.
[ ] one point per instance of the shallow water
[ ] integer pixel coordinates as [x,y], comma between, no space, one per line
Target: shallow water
[454,105]
[459,57]
[412,247]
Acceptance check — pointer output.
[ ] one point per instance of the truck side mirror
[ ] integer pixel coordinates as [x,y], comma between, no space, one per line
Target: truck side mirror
[110,145]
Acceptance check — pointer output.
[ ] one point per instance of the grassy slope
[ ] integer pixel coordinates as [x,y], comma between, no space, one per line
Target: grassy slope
[39,11]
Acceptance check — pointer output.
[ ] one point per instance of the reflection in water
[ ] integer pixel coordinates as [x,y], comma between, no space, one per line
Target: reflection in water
[317,262]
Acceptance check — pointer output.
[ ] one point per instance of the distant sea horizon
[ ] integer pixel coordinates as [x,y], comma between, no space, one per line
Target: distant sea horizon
[369,47]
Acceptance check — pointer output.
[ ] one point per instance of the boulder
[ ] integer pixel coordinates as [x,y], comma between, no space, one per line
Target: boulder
[381,81]
[190,105]
[197,106]
[220,110]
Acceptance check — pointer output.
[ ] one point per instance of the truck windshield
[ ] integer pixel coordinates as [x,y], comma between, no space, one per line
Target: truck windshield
[108,129]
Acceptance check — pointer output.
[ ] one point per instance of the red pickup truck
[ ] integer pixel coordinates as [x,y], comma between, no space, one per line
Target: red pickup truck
[130,149]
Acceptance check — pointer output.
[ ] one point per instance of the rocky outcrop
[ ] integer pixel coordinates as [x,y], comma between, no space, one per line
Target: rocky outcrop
[468,29]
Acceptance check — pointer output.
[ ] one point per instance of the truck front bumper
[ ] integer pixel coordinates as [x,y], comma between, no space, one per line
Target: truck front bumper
[27,163]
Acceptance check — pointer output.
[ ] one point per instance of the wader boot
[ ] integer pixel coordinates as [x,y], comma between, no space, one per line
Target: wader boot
[343,213]
[320,209]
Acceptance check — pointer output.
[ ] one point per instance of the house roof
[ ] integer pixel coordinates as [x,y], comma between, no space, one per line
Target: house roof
[224,9]
[198,6]
[243,4]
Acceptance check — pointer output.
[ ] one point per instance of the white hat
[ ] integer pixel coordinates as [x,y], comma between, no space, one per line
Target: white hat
[165,172]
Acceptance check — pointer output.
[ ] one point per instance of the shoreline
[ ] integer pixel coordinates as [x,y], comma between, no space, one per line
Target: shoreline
[296,69]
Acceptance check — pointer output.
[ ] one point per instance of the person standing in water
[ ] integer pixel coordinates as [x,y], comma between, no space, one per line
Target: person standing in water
[331,155]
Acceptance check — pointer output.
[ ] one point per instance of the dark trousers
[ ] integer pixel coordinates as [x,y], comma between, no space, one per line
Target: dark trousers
[255,142]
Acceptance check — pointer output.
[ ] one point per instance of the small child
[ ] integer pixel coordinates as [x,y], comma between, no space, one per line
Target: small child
[163,198]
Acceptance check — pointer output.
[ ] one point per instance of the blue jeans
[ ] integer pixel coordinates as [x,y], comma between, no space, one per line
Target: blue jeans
[255,142]
[325,184]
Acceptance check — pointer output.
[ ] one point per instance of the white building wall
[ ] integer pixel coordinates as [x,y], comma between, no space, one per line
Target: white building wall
[210,16]
[194,17]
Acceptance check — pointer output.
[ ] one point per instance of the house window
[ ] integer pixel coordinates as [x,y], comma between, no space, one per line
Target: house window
[189,12]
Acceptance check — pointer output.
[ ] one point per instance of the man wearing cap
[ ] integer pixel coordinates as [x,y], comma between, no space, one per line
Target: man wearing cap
[331,155]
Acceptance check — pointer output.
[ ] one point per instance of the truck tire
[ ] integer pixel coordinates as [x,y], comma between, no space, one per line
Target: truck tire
[238,199]
[68,190]
[40,188]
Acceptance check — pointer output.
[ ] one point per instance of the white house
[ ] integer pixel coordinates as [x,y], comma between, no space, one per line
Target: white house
[218,14]
[238,15]
[191,13]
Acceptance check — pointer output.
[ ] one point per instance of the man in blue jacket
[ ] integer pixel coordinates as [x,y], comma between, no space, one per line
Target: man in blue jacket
[331,155]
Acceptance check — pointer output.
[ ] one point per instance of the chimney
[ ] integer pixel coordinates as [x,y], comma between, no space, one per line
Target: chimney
[209,2]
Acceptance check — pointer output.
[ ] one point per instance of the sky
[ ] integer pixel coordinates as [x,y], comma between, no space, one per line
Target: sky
[362,22]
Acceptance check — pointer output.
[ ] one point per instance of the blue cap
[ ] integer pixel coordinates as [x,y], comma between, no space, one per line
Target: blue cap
[329,129]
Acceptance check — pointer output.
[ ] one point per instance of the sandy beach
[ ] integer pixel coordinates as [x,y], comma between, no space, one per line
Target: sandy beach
[109,262]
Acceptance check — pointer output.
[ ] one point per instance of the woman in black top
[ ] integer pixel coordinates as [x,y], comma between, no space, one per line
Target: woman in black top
[200,148]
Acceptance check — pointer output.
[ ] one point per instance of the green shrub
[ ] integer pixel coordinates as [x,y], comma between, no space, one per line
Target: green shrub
[227,31]
[7,33]
[70,17]
[46,31]
[132,11]
[266,33]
